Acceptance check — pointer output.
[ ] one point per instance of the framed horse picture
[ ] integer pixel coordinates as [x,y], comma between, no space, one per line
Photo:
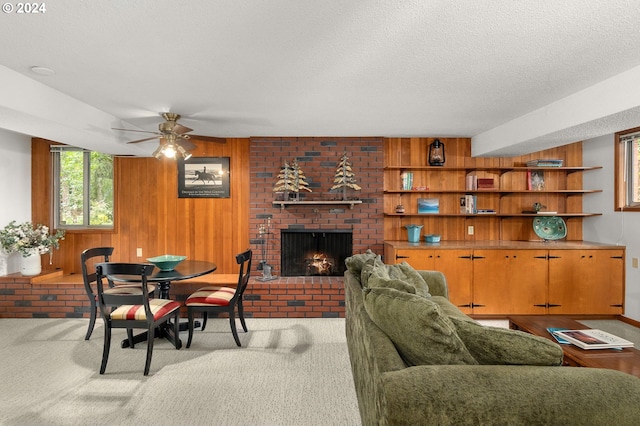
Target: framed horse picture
[203,177]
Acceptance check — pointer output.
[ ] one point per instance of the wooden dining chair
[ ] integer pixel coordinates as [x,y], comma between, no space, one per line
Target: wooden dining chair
[87,259]
[133,310]
[215,299]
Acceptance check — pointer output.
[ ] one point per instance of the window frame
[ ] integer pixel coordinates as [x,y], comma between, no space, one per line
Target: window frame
[623,165]
[86,173]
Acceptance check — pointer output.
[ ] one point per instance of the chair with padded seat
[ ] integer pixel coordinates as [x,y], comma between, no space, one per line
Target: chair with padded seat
[94,255]
[216,299]
[131,310]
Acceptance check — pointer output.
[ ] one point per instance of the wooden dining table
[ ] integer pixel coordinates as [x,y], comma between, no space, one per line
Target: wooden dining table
[184,271]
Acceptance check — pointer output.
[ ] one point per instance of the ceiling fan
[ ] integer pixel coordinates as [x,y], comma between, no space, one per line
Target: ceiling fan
[173,137]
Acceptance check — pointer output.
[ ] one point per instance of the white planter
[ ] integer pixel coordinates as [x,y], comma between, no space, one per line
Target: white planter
[3,262]
[32,264]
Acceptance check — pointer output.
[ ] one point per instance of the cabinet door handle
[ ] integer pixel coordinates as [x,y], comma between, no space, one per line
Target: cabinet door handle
[540,257]
[551,305]
[554,257]
[616,257]
[465,257]
[401,257]
[468,305]
[473,305]
[616,306]
[540,306]
[477,257]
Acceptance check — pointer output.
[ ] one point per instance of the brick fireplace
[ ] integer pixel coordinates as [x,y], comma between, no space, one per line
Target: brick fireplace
[317,296]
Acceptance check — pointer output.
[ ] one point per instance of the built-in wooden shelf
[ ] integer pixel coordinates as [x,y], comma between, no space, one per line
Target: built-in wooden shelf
[493,191]
[425,215]
[493,169]
[284,204]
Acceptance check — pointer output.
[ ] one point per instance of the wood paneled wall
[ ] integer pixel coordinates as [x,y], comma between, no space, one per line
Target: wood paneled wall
[149,214]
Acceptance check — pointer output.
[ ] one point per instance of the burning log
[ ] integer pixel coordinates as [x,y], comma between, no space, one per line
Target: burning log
[319,264]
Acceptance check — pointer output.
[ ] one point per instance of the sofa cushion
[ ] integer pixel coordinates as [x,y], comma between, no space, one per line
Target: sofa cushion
[356,262]
[417,327]
[367,269]
[496,346]
[377,274]
[451,310]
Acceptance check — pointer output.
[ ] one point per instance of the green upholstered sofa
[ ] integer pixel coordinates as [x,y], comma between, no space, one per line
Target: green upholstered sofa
[394,391]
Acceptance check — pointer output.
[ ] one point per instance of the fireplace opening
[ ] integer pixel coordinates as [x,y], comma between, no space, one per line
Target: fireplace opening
[314,252]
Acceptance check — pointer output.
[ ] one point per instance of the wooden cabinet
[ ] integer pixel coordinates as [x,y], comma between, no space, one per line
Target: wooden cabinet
[586,281]
[419,259]
[517,277]
[510,281]
[509,197]
[456,265]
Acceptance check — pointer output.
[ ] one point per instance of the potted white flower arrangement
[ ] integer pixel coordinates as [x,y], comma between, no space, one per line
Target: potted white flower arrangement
[29,241]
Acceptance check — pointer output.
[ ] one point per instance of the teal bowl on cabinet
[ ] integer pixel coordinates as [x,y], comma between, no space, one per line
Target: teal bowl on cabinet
[166,262]
[432,238]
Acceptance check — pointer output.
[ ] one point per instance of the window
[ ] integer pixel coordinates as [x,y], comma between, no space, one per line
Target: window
[83,188]
[627,164]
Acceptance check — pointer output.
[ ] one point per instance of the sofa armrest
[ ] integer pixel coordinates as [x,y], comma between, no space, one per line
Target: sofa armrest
[437,283]
[514,395]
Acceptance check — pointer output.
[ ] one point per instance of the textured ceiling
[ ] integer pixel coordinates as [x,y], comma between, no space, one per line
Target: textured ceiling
[312,68]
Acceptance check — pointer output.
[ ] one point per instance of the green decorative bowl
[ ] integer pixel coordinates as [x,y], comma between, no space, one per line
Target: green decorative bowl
[166,262]
[550,227]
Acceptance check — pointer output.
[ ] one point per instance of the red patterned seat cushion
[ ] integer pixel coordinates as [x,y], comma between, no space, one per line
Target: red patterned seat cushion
[159,308]
[211,296]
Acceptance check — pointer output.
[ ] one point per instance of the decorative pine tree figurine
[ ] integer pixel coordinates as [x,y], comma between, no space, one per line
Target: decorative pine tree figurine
[344,177]
[299,179]
[291,179]
[285,181]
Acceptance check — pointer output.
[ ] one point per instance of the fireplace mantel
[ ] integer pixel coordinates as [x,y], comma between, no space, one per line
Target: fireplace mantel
[284,204]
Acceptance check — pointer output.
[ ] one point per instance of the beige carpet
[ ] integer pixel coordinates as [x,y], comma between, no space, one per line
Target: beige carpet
[288,372]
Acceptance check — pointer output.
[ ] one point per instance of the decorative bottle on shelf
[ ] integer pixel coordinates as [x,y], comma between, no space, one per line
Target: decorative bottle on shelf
[400,209]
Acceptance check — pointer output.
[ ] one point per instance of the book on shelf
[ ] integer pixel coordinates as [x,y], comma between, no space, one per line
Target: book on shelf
[470,204]
[552,332]
[407,180]
[535,180]
[471,183]
[428,206]
[593,339]
[486,211]
[538,212]
[545,162]
[463,205]
[485,183]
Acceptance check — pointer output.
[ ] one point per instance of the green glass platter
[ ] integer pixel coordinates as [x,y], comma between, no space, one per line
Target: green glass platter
[550,227]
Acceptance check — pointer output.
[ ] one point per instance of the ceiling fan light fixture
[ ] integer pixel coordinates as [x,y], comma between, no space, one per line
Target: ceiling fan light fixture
[158,152]
[184,153]
[169,151]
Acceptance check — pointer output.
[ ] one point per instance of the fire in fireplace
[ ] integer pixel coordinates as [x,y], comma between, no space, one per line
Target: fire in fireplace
[320,264]
[314,252]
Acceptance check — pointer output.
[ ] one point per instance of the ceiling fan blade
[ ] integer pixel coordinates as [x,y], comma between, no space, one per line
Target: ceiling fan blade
[180,129]
[132,130]
[209,139]
[186,144]
[146,139]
